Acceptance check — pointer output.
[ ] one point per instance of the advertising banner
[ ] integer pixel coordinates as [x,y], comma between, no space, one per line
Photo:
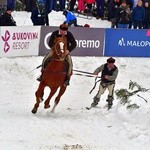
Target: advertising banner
[19,41]
[127,43]
[46,32]
[90,41]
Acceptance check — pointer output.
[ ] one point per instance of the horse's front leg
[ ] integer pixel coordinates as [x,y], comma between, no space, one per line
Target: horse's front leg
[39,96]
[57,99]
[52,92]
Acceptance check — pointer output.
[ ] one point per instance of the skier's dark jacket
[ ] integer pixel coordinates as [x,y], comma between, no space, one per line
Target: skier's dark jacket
[108,72]
[105,71]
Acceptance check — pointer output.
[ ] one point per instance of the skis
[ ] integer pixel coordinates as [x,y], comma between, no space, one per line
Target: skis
[107,106]
[88,108]
[83,15]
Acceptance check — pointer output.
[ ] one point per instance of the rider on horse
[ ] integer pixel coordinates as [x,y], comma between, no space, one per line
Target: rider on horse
[71,44]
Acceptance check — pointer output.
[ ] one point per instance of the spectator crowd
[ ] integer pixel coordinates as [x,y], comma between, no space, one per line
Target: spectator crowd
[121,13]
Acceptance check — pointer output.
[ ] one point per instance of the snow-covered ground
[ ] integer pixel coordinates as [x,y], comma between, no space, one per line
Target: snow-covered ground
[72,126]
[57,18]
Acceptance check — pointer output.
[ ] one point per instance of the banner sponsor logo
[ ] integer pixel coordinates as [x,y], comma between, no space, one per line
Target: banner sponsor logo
[148,32]
[132,43]
[127,43]
[80,43]
[22,40]
[19,41]
[46,39]
[88,43]
[5,39]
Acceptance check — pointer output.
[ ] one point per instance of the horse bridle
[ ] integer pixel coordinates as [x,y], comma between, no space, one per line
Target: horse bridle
[62,49]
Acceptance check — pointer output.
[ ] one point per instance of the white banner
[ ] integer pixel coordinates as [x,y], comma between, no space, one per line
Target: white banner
[19,41]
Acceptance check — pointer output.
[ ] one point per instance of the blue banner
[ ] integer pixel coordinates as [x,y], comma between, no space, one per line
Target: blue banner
[127,43]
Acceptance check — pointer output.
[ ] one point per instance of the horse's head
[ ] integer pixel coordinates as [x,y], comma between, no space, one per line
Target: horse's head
[60,47]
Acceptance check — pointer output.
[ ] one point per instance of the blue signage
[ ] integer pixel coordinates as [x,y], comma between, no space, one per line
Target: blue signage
[127,43]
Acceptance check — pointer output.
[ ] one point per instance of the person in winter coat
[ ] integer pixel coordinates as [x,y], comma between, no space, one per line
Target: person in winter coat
[11,4]
[123,15]
[72,4]
[3,6]
[138,15]
[89,4]
[100,9]
[146,23]
[90,1]
[70,18]
[71,45]
[50,5]
[81,6]
[3,2]
[109,73]
[112,10]
[29,5]
[62,4]
[39,15]
[6,19]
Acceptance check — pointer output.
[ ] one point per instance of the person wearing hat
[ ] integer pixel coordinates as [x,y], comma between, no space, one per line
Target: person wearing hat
[70,18]
[109,73]
[71,45]
[123,15]
[6,19]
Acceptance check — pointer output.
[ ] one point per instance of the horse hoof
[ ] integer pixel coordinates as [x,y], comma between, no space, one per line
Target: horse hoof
[47,106]
[34,111]
[41,99]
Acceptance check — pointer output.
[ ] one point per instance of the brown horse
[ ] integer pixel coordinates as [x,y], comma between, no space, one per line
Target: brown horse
[54,75]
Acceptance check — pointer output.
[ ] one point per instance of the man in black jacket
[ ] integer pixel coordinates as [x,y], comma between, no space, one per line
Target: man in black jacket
[71,44]
[6,19]
[123,15]
[39,15]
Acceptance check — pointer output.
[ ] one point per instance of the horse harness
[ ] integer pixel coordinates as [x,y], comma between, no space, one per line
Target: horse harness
[59,48]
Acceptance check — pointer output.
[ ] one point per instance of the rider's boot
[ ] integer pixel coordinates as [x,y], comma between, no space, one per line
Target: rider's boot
[69,68]
[39,78]
[95,101]
[110,100]
[45,61]
[67,80]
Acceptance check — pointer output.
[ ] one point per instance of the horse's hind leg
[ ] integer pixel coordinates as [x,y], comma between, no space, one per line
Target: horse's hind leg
[53,91]
[39,94]
[57,99]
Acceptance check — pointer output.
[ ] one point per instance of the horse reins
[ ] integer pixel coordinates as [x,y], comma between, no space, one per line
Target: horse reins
[88,74]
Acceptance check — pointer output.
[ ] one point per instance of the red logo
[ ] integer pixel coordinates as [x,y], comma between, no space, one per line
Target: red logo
[148,33]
